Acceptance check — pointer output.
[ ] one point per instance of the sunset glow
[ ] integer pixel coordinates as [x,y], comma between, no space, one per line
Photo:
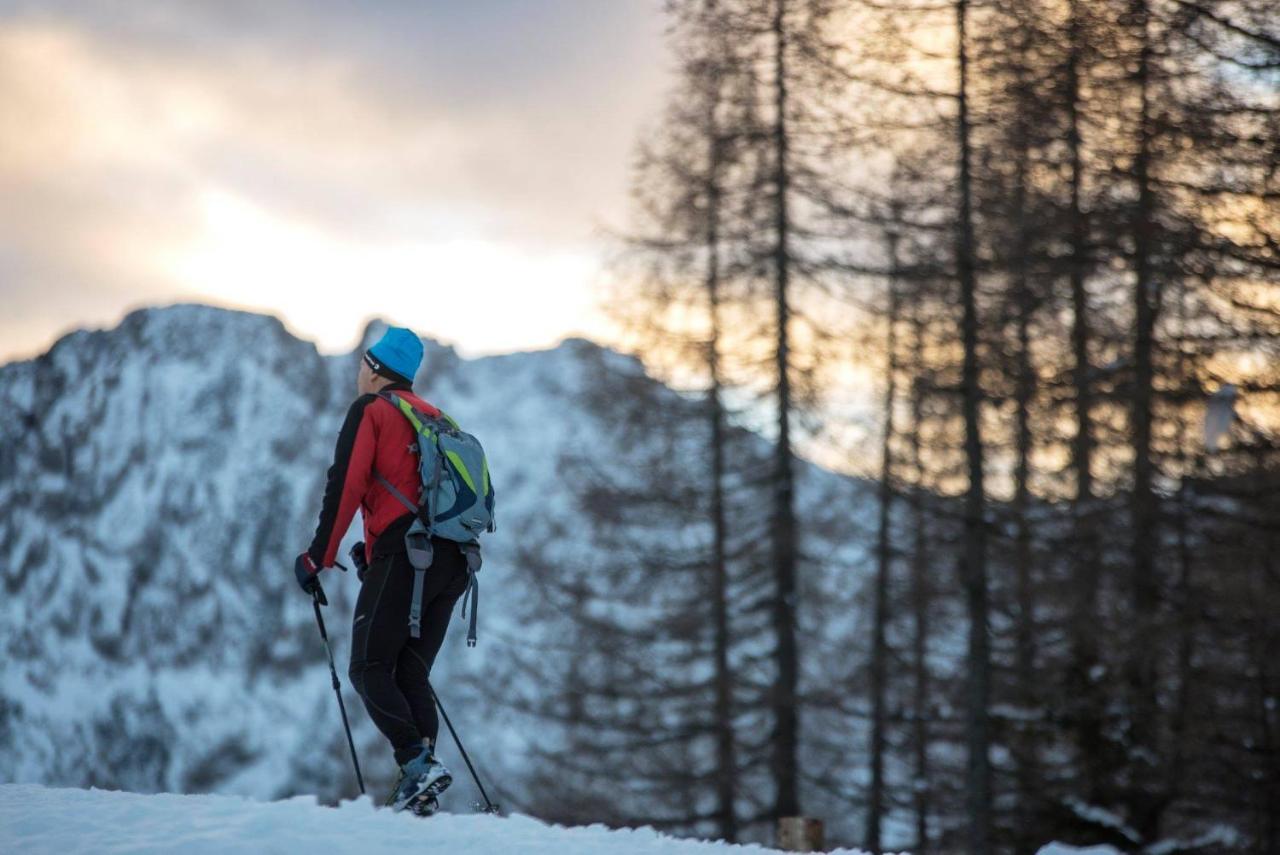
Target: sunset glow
[327,286]
[413,166]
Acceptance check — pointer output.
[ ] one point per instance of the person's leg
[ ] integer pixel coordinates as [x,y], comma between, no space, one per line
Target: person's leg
[378,635]
[445,582]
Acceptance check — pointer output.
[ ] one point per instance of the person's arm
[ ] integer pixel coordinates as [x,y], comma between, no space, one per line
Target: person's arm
[347,482]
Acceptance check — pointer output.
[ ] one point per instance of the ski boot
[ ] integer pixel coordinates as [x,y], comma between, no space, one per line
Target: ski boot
[422,778]
[424,806]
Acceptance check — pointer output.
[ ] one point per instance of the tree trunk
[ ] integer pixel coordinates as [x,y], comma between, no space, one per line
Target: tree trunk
[1142,663]
[1086,560]
[884,561]
[726,761]
[786,720]
[1184,586]
[1024,394]
[974,563]
[920,588]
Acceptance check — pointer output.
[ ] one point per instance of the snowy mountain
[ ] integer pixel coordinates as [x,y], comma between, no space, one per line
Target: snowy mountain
[156,480]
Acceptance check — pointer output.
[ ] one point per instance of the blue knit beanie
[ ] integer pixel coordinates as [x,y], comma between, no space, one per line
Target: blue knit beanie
[398,352]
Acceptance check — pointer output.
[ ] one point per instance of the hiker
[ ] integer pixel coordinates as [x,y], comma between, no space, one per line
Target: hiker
[376,458]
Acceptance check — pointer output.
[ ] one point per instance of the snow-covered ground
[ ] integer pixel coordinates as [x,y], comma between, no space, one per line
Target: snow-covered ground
[35,819]
[157,480]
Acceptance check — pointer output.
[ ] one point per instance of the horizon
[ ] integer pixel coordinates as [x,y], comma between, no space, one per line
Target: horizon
[816,451]
[336,351]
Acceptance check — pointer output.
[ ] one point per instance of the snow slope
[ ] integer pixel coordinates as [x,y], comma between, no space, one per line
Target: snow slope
[35,819]
[156,481]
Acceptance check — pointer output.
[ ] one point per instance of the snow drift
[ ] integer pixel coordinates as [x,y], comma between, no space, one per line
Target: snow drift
[39,819]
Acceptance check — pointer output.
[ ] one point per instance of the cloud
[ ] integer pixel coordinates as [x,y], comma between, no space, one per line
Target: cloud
[135,143]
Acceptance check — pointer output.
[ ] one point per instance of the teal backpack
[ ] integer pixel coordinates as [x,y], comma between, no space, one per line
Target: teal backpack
[457,502]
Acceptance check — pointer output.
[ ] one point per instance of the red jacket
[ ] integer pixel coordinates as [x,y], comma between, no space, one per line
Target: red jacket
[375,437]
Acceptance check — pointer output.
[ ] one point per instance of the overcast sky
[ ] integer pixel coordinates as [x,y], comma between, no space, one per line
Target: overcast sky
[448,165]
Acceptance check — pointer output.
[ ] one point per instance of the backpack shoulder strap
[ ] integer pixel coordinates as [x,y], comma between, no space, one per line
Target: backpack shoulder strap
[406,409]
[400,497]
[411,413]
[421,421]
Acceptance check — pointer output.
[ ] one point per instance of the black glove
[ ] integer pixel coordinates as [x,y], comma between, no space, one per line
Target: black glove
[357,558]
[308,575]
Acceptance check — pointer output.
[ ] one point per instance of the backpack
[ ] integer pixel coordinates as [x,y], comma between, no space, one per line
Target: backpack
[457,502]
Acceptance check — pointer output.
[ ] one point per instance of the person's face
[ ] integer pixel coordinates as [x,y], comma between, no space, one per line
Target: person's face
[365,379]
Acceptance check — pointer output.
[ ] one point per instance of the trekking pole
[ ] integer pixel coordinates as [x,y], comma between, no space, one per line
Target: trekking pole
[490,807]
[337,690]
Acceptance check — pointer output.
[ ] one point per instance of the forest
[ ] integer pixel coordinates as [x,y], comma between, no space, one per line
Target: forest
[1046,234]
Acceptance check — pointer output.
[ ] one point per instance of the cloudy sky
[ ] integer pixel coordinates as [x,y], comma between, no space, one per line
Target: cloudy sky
[450,165]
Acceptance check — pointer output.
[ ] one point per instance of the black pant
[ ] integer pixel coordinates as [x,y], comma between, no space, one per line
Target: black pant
[388,668]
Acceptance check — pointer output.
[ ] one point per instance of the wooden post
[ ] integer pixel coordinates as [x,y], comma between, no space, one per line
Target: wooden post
[800,834]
